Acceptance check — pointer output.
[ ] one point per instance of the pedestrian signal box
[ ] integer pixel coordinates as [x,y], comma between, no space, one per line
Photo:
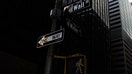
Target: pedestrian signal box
[74,64]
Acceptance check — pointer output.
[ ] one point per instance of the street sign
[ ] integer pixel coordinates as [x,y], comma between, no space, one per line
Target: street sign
[51,38]
[76,5]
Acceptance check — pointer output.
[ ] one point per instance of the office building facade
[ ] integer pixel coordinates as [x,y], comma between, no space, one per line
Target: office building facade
[121,36]
[86,24]
[101,30]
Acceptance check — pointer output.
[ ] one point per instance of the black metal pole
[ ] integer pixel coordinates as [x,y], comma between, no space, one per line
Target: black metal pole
[49,58]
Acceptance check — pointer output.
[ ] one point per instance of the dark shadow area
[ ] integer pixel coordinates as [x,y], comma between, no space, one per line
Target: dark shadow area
[22,22]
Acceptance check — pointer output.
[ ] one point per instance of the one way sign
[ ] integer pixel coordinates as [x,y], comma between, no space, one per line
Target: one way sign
[51,38]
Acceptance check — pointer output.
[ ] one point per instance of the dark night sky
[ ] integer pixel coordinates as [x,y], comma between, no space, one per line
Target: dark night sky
[22,22]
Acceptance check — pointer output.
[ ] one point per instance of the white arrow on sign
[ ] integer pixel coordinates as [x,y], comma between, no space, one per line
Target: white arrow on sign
[51,38]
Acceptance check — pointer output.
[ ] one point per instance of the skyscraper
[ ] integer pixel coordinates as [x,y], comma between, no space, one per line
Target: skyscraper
[121,36]
[99,29]
[86,24]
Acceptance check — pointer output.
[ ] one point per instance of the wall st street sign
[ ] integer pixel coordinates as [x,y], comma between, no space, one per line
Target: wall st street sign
[51,38]
[77,5]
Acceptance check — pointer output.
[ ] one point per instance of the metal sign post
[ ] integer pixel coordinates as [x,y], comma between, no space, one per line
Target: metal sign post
[54,14]
[49,57]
